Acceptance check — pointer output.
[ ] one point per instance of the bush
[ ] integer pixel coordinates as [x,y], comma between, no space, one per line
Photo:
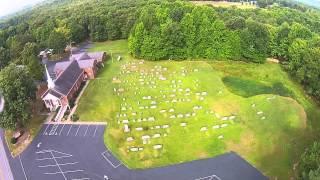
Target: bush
[13,140]
[309,162]
[74,117]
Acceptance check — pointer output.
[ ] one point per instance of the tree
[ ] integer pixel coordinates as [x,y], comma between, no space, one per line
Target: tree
[42,32]
[31,61]
[57,41]
[218,41]
[309,164]
[15,47]
[4,57]
[255,41]
[236,23]
[189,32]
[299,31]
[136,40]
[34,67]
[152,47]
[297,51]
[173,39]
[281,42]
[18,90]
[77,32]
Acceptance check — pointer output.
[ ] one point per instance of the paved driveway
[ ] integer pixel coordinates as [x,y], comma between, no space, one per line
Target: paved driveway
[77,152]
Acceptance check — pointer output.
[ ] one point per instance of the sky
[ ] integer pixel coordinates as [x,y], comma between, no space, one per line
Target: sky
[12,6]
[315,3]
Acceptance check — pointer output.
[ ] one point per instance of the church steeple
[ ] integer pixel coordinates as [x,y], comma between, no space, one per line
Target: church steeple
[49,79]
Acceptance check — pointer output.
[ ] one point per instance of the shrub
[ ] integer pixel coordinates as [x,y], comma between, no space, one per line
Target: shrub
[74,117]
[309,162]
[13,140]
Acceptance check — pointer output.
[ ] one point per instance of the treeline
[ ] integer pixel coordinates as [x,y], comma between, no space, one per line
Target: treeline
[179,30]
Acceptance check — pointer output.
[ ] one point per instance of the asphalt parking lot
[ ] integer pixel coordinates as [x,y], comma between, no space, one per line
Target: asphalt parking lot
[70,130]
[77,152]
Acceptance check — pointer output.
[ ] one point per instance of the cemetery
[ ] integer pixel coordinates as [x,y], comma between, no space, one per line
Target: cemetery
[168,112]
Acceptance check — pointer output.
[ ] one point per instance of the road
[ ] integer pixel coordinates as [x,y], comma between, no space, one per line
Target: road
[5,170]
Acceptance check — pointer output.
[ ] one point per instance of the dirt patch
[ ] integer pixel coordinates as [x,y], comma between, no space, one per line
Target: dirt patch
[245,145]
[225,108]
[116,134]
[273,60]
[202,154]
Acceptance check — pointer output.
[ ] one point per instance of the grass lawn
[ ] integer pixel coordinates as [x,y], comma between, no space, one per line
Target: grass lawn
[33,127]
[182,111]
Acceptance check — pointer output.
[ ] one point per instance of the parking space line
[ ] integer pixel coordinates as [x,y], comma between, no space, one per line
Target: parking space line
[24,172]
[86,130]
[54,129]
[114,166]
[73,171]
[95,131]
[64,172]
[68,163]
[69,130]
[53,165]
[44,133]
[82,179]
[52,158]
[58,165]
[50,165]
[61,129]
[77,130]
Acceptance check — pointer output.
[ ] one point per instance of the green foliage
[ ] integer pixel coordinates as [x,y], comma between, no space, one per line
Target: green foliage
[31,61]
[314,174]
[236,23]
[4,57]
[280,45]
[255,41]
[57,41]
[74,117]
[299,31]
[309,165]
[180,32]
[13,140]
[18,90]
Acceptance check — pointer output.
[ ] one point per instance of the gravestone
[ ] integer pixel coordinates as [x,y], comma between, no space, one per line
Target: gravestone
[158,146]
[183,124]
[204,128]
[126,128]
[129,139]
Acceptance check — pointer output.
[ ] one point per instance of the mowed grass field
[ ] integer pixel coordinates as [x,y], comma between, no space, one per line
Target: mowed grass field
[225,4]
[175,112]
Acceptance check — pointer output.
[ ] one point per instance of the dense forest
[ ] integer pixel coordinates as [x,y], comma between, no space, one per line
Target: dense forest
[56,23]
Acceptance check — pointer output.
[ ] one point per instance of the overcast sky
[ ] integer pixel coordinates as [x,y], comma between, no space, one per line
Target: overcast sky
[12,6]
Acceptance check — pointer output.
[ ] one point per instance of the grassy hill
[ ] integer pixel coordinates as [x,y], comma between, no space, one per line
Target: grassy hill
[195,113]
